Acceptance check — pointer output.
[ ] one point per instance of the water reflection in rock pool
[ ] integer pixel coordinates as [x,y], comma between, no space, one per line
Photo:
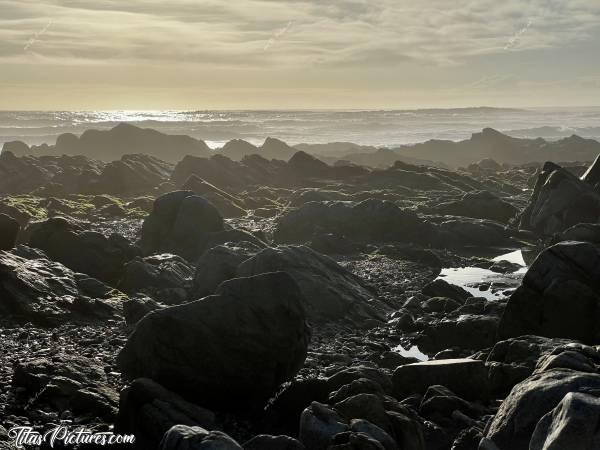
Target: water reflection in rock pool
[485,283]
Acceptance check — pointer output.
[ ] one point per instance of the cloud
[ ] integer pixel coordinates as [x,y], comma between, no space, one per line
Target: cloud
[345,32]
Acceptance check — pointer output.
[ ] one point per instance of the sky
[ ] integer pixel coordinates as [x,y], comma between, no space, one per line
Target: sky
[294,54]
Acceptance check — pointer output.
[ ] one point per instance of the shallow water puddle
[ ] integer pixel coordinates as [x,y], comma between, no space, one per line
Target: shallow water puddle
[412,352]
[471,278]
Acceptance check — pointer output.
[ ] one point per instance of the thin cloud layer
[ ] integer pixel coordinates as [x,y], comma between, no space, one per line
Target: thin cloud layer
[268,36]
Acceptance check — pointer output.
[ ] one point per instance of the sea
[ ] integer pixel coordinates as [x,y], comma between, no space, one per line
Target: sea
[380,128]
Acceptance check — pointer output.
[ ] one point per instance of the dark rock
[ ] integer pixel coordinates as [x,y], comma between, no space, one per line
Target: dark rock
[558,296]
[370,407]
[89,252]
[481,205]
[360,386]
[47,293]
[318,425]
[441,288]
[165,278]
[465,331]
[227,204]
[253,332]
[305,165]
[182,437]
[9,229]
[124,139]
[529,401]
[372,220]
[351,374]
[512,360]
[439,403]
[219,264]
[133,174]
[559,201]
[77,384]
[350,440]
[17,148]
[136,307]
[572,424]
[180,223]
[373,431]
[148,410]
[468,378]
[283,412]
[330,291]
[588,232]
[231,176]
[440,304]
[266,442]
[466,232]
[505,267]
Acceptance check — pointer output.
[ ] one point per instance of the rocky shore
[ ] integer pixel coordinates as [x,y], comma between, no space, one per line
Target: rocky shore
[237,301]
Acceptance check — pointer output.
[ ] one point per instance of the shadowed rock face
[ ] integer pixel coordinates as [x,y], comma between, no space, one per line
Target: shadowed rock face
[180,223]
[490,143]
[367,220]
[479,204]
[559,296]
[133,174]
[330,292]
[9,229]
[529,401]
[559,201]
[82,250]
[241,342]
[123,139]
[35,289]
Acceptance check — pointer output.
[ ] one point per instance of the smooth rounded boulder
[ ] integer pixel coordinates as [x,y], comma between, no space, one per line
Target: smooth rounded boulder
[180,223]
[227,350]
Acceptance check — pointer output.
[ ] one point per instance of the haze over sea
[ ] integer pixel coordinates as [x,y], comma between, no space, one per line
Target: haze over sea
[378,128]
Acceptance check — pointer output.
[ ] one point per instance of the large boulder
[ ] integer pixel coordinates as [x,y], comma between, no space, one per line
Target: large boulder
[164,277]
[481,205]
[589,232]
[559,295]
[227,204]
[123,139]
[515,422]
[9,229]
[512,360]
[182,437]
[83,251]
[467,232]
[559,201]
[330,292]
[133,174]
[180,223]
[21,175]
[242,342]
[369,220]
[75,383]
[35,289]
[148,410]
[466,377]
[304,165]
[572,424]
[219,264]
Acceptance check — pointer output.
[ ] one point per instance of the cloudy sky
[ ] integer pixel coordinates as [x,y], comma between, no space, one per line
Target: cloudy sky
[255,54]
